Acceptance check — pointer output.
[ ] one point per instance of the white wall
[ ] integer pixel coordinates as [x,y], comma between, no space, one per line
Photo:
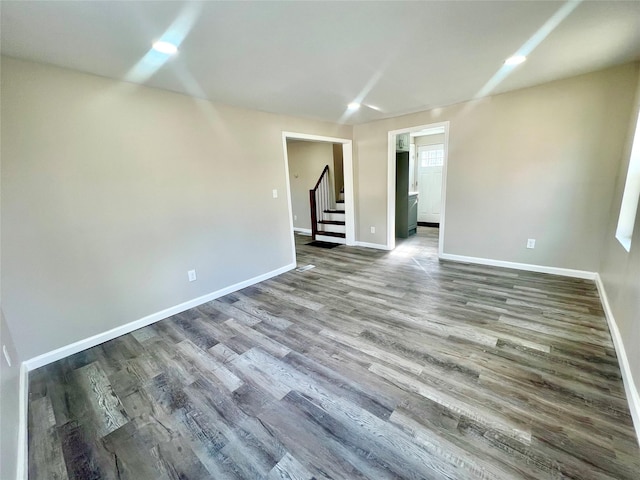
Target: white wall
[306,162]
[112,191]
[534,163]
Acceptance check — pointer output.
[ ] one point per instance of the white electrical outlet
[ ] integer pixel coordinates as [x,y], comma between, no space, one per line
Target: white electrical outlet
[295,217]
[7,357]
[531,243]
[373,229]
[192,275]
[275,193]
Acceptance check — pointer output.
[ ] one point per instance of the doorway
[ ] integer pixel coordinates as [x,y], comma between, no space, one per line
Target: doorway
[427,176]
[347,171]
[429,165]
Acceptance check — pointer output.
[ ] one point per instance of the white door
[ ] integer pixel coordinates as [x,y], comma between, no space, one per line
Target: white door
[430,162]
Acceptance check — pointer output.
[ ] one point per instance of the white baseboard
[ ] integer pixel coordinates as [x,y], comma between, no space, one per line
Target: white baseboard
[306,231]
[377,246]
[566,272]
[80,345]
[633,397]
[23,422]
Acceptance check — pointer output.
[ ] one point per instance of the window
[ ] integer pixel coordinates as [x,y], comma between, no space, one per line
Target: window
[431,156]
[631,194]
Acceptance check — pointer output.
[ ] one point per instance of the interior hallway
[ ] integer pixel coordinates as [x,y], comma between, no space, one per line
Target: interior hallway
[371,365]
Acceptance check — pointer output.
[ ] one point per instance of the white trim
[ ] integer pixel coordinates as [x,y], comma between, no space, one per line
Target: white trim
[633,397]
[347,167]
[566,272]
[302,230]
[443,192]
[289,204]
[391,189]
[377,246]
[349,200]
[330,239]
[23,422]
[391,182]
[81,345]
[314,138]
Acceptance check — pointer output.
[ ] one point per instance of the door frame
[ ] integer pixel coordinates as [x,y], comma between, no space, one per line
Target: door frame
[391,182]
[347,167]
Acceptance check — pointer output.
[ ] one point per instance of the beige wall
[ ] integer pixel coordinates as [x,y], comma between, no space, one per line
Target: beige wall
[112,191]
[306,162]
[533,163]
[620,270]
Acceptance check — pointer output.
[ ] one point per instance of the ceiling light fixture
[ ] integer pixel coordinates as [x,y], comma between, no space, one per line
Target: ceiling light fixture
[353,106]
[165,47]
[515,60]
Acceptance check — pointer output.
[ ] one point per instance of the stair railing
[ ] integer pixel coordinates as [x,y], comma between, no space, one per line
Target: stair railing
[320,199]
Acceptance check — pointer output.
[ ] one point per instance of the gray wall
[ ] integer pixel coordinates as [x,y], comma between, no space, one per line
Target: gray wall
[112,191]
[9,405]
[620,270]
[306,162]
[533,163]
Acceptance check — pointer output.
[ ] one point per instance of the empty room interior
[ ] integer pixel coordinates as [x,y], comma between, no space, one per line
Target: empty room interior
[320,240]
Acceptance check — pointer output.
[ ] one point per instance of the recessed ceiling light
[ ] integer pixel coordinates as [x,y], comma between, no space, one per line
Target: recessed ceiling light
[353,106]
[165,47]
[515,60]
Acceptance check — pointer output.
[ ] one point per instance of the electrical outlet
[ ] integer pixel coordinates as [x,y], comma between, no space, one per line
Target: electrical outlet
[275,193]
[295,217]
[7,357]
[531,243]
[373,229]
[192,275]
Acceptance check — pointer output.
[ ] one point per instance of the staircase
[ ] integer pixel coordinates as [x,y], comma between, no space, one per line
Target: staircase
[327,214]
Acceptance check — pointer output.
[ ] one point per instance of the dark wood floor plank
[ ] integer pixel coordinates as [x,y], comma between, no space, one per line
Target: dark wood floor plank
[372,365]
[45,453]
[316,445]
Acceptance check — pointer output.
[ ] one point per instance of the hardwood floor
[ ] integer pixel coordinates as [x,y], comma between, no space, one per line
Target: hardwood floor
[371,365]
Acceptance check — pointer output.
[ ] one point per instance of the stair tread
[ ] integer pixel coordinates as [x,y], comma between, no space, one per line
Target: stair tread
[334,211]
[332,222]
[331,234]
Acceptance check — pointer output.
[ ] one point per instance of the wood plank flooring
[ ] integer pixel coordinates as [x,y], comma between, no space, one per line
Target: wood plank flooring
[372,365]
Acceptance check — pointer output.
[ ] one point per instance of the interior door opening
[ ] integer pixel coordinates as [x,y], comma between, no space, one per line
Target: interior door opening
[322,168]
[417,181]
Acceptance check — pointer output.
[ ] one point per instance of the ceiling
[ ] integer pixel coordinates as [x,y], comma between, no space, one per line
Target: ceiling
[311,59]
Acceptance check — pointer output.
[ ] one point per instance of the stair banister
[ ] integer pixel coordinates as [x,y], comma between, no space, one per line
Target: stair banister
[319,200]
